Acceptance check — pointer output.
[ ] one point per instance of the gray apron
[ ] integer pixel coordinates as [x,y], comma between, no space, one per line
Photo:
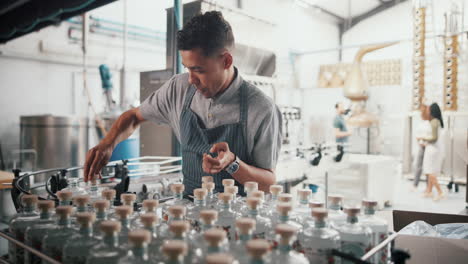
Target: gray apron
[196,140]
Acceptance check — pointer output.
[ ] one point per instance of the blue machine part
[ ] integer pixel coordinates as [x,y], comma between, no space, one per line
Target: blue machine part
[127,149]
[106,77]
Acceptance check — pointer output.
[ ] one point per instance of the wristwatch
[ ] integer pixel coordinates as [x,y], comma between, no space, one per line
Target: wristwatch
[233,167]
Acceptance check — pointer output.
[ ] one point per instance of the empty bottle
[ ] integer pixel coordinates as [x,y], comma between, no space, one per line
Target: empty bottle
[138,252]
[149,222]
[55,238]
[193,211]
[210,197]
[109,195]
[308,220]
[335,215]
[208,219]
[108,250]
[77,249]
[214,242]
[123,213]
[180,230]
[175,213]
[318,240]
[227,217]
[36,232]
[285,254]
[244,233]
[64,197]
[94,191]
[81,205]
[227,183]
[236,203]
[302,209]
[129,199]
[263,224]
[258,250]
[101,208]
[275,190]
[19,224]
[148,206]
[379,229]
[178,191]
[175,252]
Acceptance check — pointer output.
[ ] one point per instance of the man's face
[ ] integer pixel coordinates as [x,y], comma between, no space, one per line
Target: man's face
[340,109]
[207,74]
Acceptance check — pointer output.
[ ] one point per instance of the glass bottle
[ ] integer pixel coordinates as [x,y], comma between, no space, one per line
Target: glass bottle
[227,183]
[355,238]
[208,219]
[210,197]
[263,224]
[261,195]
[80,202]
[227,217]
[282,198]
[214,242]
[109,195]
[55,238]
[193,211]
[302,209]
[284,210]
[149,222]
[285,254]
[175,252]
[206,179]
[175,213]
[64,197]
[74,185]
[138,252]
[148,206]
[379,229]
[107,250]
[36,232]
[244,233]
[101,208]
[335,214]
[129,199]
[318,240]
[308,221]
[258,249]
[94,191]
[275,190]
[19,224]
[236,203]
[76,250]
[123,213]
[178,191]
[180,230]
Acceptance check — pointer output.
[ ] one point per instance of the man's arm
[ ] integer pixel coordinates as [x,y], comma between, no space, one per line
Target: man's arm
[123,127]
[341,134]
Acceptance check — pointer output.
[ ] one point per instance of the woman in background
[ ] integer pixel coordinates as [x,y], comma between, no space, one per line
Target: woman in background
[433,154]
[423,131]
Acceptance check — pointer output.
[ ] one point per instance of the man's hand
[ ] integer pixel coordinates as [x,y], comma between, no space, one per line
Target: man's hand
[215,165]
[96,158]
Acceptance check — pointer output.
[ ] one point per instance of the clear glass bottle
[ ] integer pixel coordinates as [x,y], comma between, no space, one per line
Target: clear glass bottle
[318,240]
[193,211]
[110,195]
[208,219]
[129,199]
[227,183]
[94,191]
[36,232]
[101,208]
[76,250]
[175,252]
[74,185]
[55,238]
[108,250]
[123,213]
[80,202]
[379,229]
[282,198]
[175,213]
[261,195]
[335,215]
[148,206]
[258,250]
[64,197]
[206,179]
[19,224]
[236,203]
[210,197]
[302,209]
[149,222]
[138,252]
[244,233]
[227,217]
[263,224]
[180,230]
[178,191]
[285,254]
[284,210]
[215,241]
[356,239]
[308,221]
[275,190]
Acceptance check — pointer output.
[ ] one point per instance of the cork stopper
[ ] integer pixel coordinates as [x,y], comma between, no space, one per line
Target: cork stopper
[225,197]
[149,220]
[219,258]
[231,189]
[177,211]
[123,211]
[335,198]
[245,225]
[228,182]
[128,198]
[108,194]
[352,211]
[206,179]
[174,249]
[369,203]
[29,199]
[81,200]
[319,213]
[200,193]
[214,236]
[257,248]
[250,186]
[108,227]
[179,227]
[139,237]
[253,203]
[177,188]
[276,189]
[63,211]
[45,205]
[285,231]
[209,186]
[258,194]
[85,218]
[304,194]
[283,208]
[64,195]
[285,197]
[316,204]
[101,205]
[150,205]
[208,217]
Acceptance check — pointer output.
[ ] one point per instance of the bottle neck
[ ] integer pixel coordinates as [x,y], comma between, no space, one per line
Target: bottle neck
[226,206]
[45,215]
[304,202]
[284,248]
[125,222]
[64,202]
[274,197]
[81,209]
[257,260]
[179,196]
[213,249]
[245,237]
[64,222]
[152,229]
[29,209]
[140,251]
[93,188]
[369,211]
[206,226]
[253,213]
[181,236]
[283,218]
[128,203]
[177,260]
[111,239]
[335,207]
[86,231]
[319,223]
[199,202]
[101,215]
[352,219]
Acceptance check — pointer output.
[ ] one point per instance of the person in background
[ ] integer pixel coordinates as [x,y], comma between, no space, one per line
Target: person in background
[341,131]
[423,131]
[433,153]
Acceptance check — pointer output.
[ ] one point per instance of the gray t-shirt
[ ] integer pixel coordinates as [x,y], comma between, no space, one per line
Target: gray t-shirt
[340,123]
[165,105]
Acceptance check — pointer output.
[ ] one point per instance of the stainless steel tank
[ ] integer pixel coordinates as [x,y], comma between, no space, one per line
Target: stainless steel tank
[60,141]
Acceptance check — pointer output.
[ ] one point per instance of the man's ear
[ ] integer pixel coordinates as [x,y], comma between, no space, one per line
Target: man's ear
[228,60]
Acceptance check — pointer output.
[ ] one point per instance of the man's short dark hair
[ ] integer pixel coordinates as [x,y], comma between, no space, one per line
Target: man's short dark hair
[209,31]
[337,104]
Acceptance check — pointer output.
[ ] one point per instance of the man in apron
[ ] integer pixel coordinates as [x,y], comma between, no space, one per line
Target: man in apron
[227,127]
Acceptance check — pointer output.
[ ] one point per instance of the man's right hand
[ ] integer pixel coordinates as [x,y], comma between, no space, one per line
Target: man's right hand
[96,159]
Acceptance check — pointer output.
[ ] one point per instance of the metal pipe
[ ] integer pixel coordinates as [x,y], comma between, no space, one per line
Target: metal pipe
[384,243]
[124,57]
[30,249]
[178,18]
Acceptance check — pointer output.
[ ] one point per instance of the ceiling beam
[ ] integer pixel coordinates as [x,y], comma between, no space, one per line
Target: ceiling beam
[325,11]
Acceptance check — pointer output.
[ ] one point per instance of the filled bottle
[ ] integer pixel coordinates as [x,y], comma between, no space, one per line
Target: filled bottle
[107,250]
[355,238]
[138,252]
[208,219]
[214,242]
[308,221]
[55,238]
[175,213]
[129,199]
[178,191]
[284,210]
[148,206]
[80,202]
[36,232]
[175,252]
[258,250]
[244,233]
[236,203]
[318,240]
[210,197]
[19,224]
[302,209]
[335,215]
[379,229]
[180,230]
[263,224]
[101,208]
[124,213]
[64,197]
[260,195]
[109,195]
[149,222]
[76,250]
[227,217]
[219,258]
[275,190]
[285,254]
[193,211]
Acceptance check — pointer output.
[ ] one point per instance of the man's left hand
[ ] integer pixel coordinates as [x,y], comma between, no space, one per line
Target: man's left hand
[223,159]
